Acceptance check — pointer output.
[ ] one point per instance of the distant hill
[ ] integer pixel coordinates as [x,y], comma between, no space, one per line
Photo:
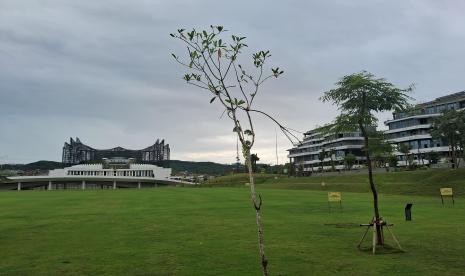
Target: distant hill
[209,168]
[39,165]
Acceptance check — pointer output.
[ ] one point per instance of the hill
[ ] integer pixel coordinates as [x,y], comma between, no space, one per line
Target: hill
[421,182]
[209,168]
[39,165]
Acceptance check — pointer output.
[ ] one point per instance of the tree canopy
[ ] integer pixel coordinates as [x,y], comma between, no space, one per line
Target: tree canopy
[359,96]
[450,127]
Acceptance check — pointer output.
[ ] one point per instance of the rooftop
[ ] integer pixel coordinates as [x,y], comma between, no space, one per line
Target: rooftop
[445,99]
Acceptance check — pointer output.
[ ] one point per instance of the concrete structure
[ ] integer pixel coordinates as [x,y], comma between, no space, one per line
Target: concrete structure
[75,152]
[306,155]
[101,170]
[97,176]
[413,128]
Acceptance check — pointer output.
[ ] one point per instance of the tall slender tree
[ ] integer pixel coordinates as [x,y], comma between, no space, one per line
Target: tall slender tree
[332,155]
[450,127]
[405,150]
[214,66]
[254,158]
[359,97]
[321,157]
[349,160]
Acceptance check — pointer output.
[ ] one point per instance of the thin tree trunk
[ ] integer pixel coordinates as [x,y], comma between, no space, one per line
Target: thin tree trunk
[454,161]
[379,229]
[457,157]
[419,153]
[258,217]
[462,154]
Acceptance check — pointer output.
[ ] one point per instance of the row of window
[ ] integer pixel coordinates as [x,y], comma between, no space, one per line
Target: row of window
[429,110]
[327,146]
[406,133]
[337,154]
[410,122]
[138,173]
[424,144]
[332,137]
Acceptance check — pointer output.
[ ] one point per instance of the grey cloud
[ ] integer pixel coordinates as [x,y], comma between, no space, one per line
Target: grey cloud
[101,70]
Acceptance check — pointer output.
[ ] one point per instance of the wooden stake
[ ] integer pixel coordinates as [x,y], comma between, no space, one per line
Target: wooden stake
[364,235]
[374,238]
[394,237]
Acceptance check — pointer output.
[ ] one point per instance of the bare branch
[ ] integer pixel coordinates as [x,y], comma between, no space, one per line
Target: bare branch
[286,131]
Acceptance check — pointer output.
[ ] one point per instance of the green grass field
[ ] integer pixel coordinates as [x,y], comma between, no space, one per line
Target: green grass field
[211,231]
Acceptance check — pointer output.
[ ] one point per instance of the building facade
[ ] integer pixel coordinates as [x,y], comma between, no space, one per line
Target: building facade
[413,128]
[75,152]
[112,173]
[320,151]
[109,171]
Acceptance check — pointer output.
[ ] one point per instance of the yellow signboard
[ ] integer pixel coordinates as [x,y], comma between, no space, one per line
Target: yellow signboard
[334,196]
[446,191]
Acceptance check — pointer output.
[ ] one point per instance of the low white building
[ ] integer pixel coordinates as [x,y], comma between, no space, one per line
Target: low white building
[99,170]
[111,174]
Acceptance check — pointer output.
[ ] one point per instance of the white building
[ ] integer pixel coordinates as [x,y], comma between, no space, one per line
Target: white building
[118,173]
[413,128]
[99,170]
[332,148]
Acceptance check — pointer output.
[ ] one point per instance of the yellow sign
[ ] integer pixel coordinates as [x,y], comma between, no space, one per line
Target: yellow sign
[446,191]
[334,196]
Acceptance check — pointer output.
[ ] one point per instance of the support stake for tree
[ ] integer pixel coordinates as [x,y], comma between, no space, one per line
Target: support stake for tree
[378,224]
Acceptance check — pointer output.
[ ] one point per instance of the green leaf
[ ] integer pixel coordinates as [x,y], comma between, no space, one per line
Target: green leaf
[191,35]
[248,132]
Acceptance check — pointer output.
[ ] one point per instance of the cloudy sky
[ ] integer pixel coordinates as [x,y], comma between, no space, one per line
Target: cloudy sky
[102,71]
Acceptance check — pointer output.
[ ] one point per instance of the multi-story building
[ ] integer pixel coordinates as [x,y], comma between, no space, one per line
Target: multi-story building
[75,152]
[413,128]
[323,151]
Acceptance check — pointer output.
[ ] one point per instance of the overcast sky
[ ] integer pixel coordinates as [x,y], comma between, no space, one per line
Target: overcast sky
[102,71]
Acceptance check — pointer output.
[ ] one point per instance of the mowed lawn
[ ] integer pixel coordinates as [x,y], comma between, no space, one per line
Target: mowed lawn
[211,231]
